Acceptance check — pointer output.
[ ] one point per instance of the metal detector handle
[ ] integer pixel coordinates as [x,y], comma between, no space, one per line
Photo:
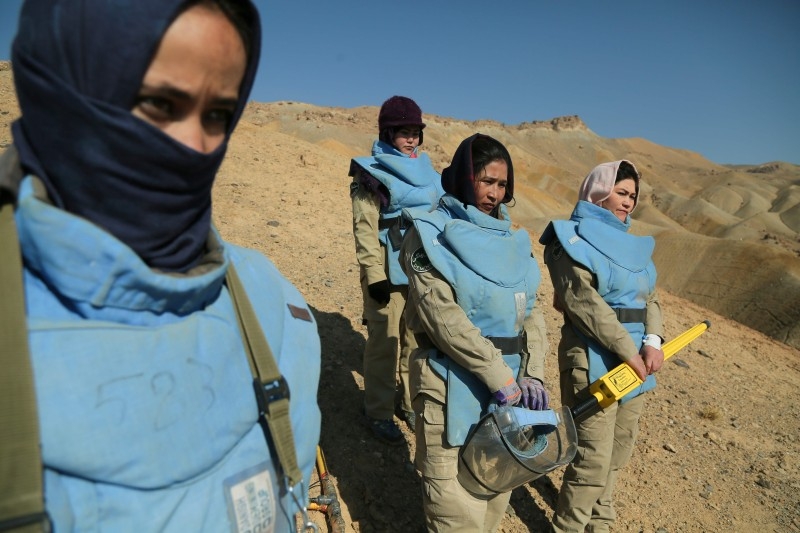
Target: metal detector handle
[621,380]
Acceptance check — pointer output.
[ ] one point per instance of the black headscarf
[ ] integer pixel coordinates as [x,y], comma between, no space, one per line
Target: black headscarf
[78,67]
[459,180]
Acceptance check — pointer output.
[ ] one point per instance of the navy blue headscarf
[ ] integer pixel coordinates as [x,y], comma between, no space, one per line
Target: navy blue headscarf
[78,67]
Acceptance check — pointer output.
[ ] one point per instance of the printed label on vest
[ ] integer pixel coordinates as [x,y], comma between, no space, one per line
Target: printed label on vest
[251,500]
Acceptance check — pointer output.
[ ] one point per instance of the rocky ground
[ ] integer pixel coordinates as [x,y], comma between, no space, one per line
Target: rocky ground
[719,447]
[719,442]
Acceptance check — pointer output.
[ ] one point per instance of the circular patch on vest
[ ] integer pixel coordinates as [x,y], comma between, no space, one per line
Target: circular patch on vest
[420,261]
[353,189]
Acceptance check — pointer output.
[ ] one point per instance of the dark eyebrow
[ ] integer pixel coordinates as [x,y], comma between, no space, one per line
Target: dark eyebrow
[179,94]
[165,90]
[225,102]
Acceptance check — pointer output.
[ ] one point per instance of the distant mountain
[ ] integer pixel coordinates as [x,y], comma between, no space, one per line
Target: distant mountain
[727,236]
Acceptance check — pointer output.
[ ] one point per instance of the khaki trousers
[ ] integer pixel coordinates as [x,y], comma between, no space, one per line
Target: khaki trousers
[605,445]
[386,331]
[448,506]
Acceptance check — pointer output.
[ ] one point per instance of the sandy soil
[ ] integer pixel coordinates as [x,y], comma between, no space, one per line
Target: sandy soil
[720,440]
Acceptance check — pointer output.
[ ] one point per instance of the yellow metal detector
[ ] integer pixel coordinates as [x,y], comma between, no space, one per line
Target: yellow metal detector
[622,379]
[328,501]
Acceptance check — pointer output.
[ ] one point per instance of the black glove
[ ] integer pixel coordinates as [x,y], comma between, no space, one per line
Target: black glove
[379,291]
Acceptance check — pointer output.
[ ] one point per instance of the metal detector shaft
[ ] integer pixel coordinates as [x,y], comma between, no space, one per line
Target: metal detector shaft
[332,508]
[622,379]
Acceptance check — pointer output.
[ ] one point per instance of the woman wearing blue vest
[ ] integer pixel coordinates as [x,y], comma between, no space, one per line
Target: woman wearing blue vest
[604,281]
[148,415]
[472,289]
[396,176]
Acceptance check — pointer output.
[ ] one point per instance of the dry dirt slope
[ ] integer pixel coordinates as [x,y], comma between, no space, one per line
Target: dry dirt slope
[743,219]
[718,449]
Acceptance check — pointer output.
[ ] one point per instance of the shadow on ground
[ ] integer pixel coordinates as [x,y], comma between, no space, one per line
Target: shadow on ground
[376,482]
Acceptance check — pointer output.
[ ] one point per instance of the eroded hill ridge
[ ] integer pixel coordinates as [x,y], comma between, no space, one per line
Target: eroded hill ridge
[727,235]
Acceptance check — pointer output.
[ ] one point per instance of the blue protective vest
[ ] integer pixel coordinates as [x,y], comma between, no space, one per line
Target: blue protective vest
[145,399]
[495,279]
[623,266]
[412,182]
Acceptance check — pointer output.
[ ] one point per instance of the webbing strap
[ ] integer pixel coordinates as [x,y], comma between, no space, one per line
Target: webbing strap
[630,316]
[21,486]
[271,389]
[511,345]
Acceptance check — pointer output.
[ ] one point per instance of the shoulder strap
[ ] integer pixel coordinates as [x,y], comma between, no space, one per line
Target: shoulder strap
[21,486]
[272,391]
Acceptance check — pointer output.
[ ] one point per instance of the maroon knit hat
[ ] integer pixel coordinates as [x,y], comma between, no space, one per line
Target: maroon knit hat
[398,111]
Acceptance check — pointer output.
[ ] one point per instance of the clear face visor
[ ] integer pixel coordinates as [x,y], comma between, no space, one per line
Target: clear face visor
[511,446]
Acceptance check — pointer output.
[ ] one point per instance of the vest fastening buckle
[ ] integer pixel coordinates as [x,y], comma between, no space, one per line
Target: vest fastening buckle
[272,391]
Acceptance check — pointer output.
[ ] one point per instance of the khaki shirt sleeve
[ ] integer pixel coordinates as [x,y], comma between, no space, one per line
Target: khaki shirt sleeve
[366,214]
[654,322]
[432,309]
[538,345]
[577,297]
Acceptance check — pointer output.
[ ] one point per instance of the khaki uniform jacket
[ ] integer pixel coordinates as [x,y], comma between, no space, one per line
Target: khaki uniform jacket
[371,256]
[438,322]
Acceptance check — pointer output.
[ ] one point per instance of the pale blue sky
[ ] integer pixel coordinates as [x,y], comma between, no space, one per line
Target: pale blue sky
[721,77]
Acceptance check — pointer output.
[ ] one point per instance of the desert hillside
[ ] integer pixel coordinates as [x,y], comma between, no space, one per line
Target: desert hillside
[727,237]
[719,446]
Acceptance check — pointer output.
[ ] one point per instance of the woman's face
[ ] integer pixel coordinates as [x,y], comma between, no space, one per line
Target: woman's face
[191,88]
[490,185]
[406,139]
[622,199]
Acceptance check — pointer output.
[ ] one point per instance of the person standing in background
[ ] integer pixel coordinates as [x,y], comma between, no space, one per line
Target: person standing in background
[396,176]
[604,285]
[149,415]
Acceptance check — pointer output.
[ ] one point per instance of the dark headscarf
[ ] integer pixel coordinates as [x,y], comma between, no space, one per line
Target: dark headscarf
[459,178]
[78,67]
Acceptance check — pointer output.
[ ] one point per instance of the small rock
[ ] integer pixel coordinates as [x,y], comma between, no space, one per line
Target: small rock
[704,354]
[763,482]
[273,223]
[713,437]
[670,448]
[681,363]
[662,530]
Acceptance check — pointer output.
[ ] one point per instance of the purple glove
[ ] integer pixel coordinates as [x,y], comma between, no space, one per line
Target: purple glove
[534,395]
[509,394]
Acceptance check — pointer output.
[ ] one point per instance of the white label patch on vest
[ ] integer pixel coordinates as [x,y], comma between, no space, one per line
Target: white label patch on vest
[573,239]
[521,304]
[251,500]
[420,261]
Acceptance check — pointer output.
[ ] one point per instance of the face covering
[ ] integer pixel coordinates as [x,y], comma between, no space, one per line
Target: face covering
[78,67]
